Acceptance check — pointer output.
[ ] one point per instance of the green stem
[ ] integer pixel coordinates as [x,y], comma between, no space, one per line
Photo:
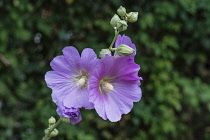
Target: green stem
[113,41]
[47,137]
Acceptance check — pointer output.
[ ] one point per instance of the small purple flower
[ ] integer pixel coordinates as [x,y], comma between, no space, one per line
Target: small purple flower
[114,87]
[70,77]
[72,113]
[127,41]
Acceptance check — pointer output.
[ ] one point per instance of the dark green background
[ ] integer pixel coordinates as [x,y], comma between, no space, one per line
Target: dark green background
[173,42]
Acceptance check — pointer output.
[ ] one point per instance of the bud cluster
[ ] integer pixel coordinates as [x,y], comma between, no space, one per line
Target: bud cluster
[119,22]
[50,131]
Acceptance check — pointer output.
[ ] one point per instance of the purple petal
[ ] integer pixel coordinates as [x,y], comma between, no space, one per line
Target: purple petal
[122,68]
[59,111]
[98,101]
[53,79]
[106,66]
[59,84]
[112,110]
[74,121]
[76,118]
[71,53]
[61,66]
[128,90]
[78,98]
[126,68]
[72,56]
[118,41]
[88,59]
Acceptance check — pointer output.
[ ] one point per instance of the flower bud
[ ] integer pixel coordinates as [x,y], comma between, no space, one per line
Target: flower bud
[133,16]
[54,133]
[114,20]
[46,130]
[122,25]
[51,120]
[104,53]
[124,50]
[121,11]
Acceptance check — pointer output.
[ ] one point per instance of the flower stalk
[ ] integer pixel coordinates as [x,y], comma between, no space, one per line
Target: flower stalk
[116,33]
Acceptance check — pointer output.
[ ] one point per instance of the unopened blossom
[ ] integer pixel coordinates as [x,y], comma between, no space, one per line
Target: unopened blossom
[70,77]
[72,113]
[127,41]
[114,86]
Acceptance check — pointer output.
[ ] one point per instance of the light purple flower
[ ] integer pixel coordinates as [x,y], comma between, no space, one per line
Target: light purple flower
[114,87]
[70,77]
[72,113]
[127,41]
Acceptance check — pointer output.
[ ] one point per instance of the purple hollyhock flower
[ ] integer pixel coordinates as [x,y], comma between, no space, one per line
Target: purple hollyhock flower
[114,87]
[127,41]
[72,113]
[70,77]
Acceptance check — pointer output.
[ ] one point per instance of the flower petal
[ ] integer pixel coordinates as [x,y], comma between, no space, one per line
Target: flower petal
[74,121]
[88,59]
[72,56]
[127,90]
[58,82]
[71,53]
[112,110]
[61,66]
[98,101]
[78,98]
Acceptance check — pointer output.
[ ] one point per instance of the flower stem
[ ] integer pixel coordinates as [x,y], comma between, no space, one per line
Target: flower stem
[47,137]
[115,36]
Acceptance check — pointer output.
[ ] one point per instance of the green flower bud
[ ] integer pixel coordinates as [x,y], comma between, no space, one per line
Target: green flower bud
[54,133]
[133,16]
[46,130]
[104,53]
[51,120]
[122,25]
[124,50]
[66,120]
[121,11]
[114,20]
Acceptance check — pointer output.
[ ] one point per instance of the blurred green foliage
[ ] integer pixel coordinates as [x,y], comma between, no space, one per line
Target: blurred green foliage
[173,42]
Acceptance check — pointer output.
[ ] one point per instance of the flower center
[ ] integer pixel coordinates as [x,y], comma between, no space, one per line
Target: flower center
[105,85]
[108,86]
[81,79]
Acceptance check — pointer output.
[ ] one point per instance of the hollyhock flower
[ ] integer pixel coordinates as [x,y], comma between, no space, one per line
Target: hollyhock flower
[114,86]
[70,77]
[72,113]
[127,41]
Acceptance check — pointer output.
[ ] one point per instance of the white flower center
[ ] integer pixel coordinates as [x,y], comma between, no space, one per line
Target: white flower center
[108,86]
[82,81]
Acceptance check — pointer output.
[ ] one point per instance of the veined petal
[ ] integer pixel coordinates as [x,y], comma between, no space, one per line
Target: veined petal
[71,53]
[99,104]
[55,80]
[88,59]
[106,66]
[112,110]
[128,90]
[61,66]
[78,98]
